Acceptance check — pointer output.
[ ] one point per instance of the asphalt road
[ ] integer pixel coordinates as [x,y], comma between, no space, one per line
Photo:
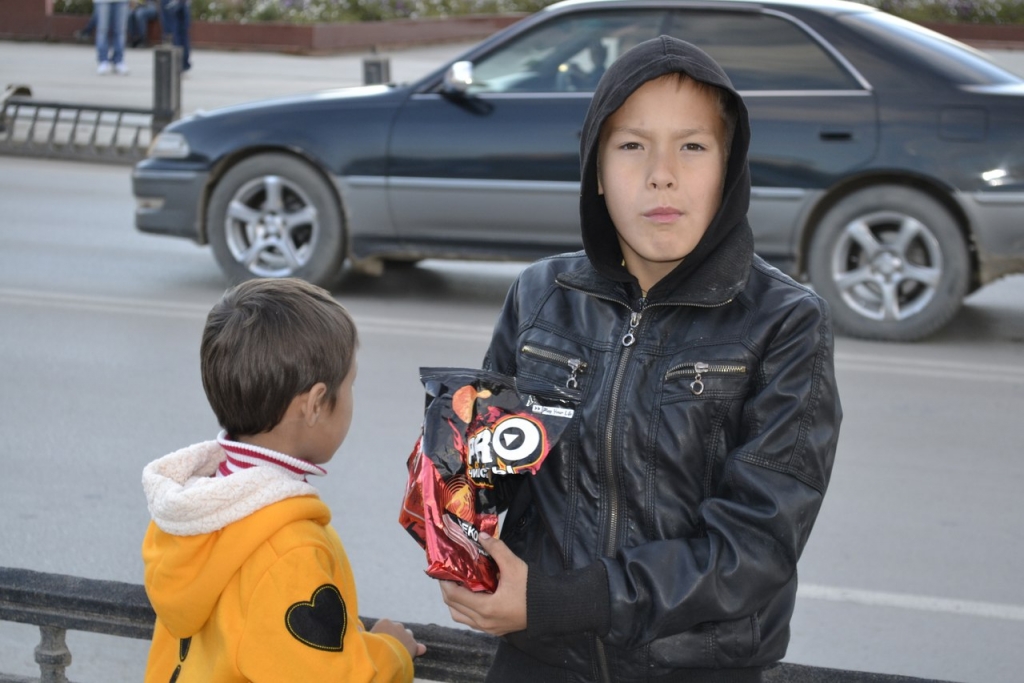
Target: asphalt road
[913,567]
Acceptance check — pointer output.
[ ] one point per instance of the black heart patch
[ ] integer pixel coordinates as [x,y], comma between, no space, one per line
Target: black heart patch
[183,647]
[321,621]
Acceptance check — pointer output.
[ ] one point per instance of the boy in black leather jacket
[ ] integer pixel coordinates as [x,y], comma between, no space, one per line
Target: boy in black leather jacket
[659,541]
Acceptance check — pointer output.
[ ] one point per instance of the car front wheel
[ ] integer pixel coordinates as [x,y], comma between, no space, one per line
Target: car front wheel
[274,215]
[892,263]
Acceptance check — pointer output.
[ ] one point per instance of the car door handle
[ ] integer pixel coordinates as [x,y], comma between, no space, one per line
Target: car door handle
[836,135]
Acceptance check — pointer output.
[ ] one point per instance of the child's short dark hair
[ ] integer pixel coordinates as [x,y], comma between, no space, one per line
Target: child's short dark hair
[267,341]
[724,100]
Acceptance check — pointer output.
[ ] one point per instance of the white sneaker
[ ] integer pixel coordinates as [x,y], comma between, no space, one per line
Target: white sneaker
[103,68]
[121,68]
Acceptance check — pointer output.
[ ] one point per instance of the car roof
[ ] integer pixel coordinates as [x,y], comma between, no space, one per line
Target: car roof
[824,6]
[827,7]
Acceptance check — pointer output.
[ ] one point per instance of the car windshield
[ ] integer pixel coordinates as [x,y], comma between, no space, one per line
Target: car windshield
[565,54]
[961,64]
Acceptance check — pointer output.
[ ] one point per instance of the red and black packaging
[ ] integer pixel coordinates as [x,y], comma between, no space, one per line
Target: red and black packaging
[476,430]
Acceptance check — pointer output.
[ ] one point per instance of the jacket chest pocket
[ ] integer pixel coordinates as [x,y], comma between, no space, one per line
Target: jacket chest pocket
[551,373]
[693,380]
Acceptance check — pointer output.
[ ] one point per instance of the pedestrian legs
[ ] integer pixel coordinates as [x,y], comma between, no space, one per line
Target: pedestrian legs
[111,22]
[101,10]
[176,16]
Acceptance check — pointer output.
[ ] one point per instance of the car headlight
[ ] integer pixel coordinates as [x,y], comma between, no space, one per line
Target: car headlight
[169,146]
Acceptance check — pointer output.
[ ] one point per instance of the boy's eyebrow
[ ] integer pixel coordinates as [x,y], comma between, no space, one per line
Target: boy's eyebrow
[641,132]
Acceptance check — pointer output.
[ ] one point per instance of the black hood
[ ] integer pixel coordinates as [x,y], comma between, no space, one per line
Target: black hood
[647,61]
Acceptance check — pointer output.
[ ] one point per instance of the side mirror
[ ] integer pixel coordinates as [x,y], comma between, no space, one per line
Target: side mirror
[458,78]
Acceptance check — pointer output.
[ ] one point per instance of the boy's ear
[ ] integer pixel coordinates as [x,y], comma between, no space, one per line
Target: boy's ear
[313,403]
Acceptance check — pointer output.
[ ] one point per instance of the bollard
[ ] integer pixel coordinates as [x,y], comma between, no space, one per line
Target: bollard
[166,86]
[376,70]
[11,91]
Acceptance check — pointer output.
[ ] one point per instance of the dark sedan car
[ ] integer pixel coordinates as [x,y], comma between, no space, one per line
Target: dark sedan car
[887,161]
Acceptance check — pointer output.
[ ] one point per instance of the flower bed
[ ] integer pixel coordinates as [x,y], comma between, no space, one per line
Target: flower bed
[332,11]
[943,12]
[329,11]
[315,26]
[343,36]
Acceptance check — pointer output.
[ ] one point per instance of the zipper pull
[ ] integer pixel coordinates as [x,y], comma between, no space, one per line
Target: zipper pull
[574,365]
[634,322]
[697,386]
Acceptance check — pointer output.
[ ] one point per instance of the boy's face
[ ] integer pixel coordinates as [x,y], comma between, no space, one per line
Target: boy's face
[661,167]
[333,425]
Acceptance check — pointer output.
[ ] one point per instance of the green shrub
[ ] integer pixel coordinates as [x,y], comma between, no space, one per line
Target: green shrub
[310,11]
[72,6]
[955,11]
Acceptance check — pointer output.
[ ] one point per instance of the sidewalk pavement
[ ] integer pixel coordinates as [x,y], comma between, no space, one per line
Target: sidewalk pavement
[1010,59]
[67,73]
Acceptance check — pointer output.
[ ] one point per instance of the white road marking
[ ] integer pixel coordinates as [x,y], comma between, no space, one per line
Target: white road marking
[845,362]
[920,367]
[173,309]
[106,304]
[921,603]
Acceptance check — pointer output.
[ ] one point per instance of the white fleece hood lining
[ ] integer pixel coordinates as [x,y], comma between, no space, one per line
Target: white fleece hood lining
[184,498]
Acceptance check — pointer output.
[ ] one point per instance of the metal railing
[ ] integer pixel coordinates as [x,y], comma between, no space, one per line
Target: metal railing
[57,603]
[100,133]
[91,132]
[57,130]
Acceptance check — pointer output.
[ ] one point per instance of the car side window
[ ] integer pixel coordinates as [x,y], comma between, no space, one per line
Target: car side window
[566,54]
[763,52]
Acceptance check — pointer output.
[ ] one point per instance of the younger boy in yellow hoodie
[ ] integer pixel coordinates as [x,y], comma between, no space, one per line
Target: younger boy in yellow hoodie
[248,579]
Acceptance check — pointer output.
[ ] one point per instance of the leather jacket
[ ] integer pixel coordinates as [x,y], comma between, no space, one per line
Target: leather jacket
[663,531]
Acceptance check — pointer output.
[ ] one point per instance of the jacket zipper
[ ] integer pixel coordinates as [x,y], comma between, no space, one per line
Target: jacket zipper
[698,369]
[576,365]
[628,340]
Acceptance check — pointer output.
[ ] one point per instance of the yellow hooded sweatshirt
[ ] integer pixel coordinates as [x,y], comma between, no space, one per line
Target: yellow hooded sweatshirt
[250,582]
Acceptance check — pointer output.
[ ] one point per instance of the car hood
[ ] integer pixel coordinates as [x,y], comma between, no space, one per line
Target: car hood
[289,101]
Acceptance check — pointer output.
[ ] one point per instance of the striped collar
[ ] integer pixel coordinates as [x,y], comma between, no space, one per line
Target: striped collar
[242,456]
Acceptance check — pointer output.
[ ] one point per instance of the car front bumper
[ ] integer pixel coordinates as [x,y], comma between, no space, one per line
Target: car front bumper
[167,201]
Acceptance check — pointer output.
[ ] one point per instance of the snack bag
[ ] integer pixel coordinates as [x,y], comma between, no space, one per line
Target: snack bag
[476,430]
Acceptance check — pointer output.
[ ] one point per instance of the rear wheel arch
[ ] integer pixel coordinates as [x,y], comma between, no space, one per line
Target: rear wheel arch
[894,258]
[929,186]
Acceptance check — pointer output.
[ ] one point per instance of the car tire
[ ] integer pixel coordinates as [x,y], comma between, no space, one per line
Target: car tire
[274,215]
[892,263]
